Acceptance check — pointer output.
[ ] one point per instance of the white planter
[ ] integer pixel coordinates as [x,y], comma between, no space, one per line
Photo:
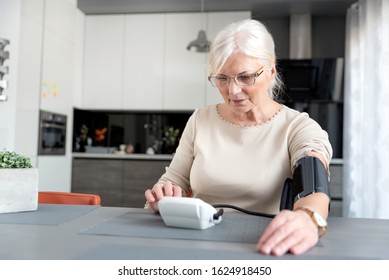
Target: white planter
[18,190]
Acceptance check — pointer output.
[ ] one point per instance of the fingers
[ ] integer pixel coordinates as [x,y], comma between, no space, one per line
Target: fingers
[166,188]
[160,190]
[288,232]
[177,191]
[152,202]
[150,196]
[272,236]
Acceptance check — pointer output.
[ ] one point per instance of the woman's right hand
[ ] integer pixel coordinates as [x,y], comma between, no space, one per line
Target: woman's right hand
[160,190]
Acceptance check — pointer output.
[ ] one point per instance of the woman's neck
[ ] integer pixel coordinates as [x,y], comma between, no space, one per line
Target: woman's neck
[257,115]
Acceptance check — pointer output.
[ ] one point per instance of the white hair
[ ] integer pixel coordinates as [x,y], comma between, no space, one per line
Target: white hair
[251,38]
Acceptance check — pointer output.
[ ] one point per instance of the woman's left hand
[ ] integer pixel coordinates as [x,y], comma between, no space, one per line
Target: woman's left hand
[289,231]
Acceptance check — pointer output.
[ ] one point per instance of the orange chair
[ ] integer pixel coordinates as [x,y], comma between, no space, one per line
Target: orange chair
[68,198]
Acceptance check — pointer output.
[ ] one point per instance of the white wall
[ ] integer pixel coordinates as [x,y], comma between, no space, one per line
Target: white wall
[9,29]
[61,61]
[46,47]
[28,78]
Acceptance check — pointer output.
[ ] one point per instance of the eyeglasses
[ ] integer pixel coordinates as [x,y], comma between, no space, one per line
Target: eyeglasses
[241,80]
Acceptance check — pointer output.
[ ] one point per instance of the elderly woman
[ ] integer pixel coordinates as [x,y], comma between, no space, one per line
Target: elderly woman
[240,152]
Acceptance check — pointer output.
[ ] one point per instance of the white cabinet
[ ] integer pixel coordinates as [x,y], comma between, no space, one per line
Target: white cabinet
[60,18]
[143,61]
[186,83]
[57,74]
[216,21]
[57,85]
[103,62]
[184,70]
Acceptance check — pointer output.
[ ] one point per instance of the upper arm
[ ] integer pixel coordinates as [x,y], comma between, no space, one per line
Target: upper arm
[307,138]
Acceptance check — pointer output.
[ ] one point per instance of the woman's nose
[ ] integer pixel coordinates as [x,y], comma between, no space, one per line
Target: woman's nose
[233,88]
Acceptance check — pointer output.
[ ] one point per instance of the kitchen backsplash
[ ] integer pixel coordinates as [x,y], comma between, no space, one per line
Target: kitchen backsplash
[140,132]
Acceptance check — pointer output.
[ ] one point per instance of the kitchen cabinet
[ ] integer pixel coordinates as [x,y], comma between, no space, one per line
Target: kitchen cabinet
[216,21]
[58,62]
[186,82]
[119,182]
[141,61]
[102,177]
[139,175]
[57,74]
[184,70]
[122,182]
[103,62]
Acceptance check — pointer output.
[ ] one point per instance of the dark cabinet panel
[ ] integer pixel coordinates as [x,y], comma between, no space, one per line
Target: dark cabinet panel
[120,183]
[98,176]
[139,176]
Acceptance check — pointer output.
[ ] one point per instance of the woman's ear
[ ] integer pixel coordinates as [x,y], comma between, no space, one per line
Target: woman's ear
[273,69]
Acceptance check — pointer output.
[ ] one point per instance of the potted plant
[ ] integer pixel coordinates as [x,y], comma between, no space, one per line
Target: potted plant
[170,139]
[18,183]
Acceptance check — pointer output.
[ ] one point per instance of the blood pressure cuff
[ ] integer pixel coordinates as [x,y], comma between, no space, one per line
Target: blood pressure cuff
[309,176]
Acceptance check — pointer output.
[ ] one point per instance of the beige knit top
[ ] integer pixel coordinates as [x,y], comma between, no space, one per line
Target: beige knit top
[243,166]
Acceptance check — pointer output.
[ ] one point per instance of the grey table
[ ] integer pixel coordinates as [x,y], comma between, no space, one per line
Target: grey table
[69,232]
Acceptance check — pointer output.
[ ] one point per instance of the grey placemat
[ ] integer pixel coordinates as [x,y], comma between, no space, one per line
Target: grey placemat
[233,228]
[47,214]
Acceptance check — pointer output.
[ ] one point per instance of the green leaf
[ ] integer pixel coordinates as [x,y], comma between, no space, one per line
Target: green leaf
[14,160]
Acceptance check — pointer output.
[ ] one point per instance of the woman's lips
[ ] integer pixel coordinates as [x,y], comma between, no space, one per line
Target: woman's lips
[238,102]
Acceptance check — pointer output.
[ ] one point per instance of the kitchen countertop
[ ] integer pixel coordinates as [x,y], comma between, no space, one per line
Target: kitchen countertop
[123,156]
[334,161]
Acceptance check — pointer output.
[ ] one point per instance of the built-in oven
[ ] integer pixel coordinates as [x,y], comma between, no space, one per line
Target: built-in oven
[52,134]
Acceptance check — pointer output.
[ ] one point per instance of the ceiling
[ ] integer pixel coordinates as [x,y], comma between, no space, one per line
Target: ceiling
[258,8]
